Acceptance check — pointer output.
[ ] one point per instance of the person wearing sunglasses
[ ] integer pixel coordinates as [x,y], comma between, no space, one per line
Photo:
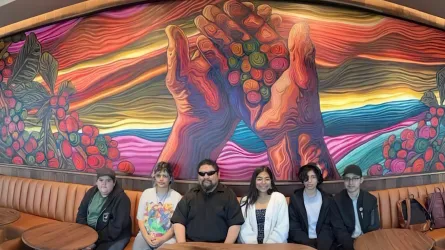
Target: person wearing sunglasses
[156,207]
[209,212]
[309,211]
[264,210]
[354,211]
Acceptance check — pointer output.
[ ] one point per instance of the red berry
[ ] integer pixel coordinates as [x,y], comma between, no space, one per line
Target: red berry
[92,150]
[28,147]
[4,131]
[75,115]
[15,135]
[71,125]
[113,153]
[62,126]
[62,101]
[12,127]
[21,126]
[2,64]
[53,101]
[113,144]
[433,111]
[7,72]
[79,162]
[87,130]
[439,166]
[66,149]
[33,142]
[441,157]
[53,163]
[85,140]
[432,132]
[60,114]
[40,157]
[7,120]
[107,138]
[95,131]
[421,124]
[109,164]
[429,154]
[17,160]
[65,94]
[96,161]
[9,152]
[418,165]
[401,154]
[11,102]
[50,154]
[126,167]
[21,142]
[9,61]
[8,93]
[434,121]
[440,112]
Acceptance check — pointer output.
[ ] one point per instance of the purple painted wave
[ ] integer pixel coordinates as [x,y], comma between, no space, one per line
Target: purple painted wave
[338,147]
[48,34]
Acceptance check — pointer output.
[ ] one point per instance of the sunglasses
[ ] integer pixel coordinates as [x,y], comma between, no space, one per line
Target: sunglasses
[210,173]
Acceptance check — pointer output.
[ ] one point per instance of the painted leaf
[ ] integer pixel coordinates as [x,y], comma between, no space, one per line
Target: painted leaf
[44,111]
[31,94]
[67,86]
[48,70]
[27,63]
[441,84]
[47,141]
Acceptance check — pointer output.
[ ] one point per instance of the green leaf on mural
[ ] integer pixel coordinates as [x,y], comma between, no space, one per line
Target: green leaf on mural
[48,70]
[67,86]
[31,94]
[27,63]
[47,141]
[44,111]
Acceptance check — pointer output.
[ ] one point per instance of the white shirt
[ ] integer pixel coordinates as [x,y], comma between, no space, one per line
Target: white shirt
[358,229]
[313,206]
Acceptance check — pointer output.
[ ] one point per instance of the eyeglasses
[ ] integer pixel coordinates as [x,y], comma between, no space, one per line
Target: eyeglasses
[210,173]
[353,179]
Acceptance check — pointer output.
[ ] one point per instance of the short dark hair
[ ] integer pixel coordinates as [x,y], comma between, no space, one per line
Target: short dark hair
[163,166]
[304,170]
[209,162]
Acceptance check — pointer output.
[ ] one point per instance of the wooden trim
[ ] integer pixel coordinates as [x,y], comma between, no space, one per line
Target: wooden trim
[91,6]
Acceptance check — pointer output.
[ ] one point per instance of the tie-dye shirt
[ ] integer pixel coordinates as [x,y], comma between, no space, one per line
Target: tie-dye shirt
[157,211]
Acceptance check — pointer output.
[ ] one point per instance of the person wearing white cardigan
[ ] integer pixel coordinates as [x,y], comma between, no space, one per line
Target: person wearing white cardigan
[265,211]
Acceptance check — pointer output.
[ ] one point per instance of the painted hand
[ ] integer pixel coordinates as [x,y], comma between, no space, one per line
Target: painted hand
[272,85]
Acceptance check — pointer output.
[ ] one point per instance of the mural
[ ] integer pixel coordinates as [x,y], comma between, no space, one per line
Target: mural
[248,84]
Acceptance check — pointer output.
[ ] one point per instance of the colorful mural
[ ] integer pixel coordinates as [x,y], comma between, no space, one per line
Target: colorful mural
[249,84]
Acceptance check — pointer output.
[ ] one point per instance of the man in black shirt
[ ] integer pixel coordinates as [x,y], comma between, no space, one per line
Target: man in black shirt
[209,212]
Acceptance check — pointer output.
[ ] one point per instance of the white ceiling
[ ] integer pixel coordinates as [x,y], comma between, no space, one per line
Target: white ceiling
[12,11]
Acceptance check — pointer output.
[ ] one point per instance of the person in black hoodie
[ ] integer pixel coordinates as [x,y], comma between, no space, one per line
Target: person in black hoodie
[106,208]
[309,211]
[354,211]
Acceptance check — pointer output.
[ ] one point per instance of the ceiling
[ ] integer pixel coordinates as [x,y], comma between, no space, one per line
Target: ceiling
[12,11]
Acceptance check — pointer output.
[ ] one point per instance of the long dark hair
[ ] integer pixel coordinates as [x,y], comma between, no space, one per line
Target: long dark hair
[253,194]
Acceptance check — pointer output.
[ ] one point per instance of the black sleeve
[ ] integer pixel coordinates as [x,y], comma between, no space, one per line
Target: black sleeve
[296,233]
[325,238]
[234,214]
[181,212]
[119,221]
[374,222]
[82,212]
[341,233]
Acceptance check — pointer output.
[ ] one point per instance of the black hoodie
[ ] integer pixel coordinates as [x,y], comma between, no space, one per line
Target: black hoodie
[114,223]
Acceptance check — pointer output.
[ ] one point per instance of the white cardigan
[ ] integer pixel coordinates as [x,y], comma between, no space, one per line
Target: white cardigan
[276,224]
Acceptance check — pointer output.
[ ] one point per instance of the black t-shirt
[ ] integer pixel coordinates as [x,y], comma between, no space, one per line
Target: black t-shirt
[208,216]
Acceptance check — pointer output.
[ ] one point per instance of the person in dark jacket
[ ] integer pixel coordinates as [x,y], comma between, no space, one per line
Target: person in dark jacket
[309,211]
[354,211]
[106,208]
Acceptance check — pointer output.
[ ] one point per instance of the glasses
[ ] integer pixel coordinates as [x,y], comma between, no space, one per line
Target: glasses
[210,173]
[353,179]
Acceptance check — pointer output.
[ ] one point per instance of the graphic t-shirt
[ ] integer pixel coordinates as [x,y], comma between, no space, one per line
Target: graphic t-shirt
[156,211]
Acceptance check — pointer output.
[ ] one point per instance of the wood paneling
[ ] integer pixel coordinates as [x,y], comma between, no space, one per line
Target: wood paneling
[240,188]
[91,6]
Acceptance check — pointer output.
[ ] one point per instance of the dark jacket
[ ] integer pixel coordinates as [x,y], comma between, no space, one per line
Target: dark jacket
[298,222]
[343,218]
[114,223]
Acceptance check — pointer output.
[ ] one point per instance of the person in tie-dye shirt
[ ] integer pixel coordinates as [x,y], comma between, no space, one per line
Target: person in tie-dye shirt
[156,207]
